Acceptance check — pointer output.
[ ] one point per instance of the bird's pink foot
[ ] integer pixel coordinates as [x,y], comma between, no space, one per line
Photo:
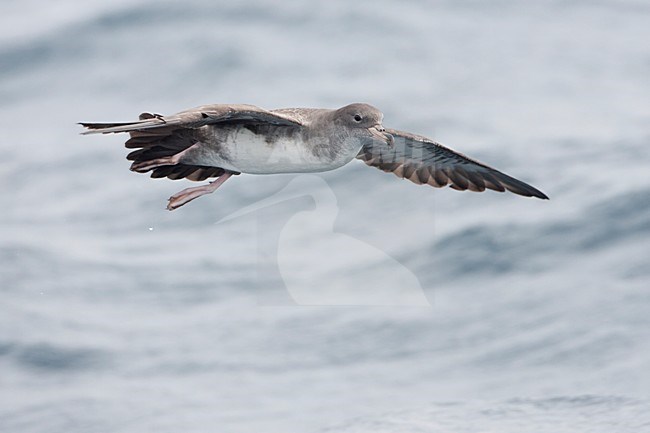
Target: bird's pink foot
[189,194]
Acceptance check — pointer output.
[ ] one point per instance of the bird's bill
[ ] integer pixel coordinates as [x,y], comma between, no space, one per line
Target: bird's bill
[380,134]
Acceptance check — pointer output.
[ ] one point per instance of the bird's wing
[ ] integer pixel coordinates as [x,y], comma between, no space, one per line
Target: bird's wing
[197,117]
[423,161]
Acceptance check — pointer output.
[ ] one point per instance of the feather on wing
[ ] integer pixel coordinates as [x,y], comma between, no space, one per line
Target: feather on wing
[423,161]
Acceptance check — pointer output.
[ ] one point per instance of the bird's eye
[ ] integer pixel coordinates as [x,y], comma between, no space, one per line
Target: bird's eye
[358,118]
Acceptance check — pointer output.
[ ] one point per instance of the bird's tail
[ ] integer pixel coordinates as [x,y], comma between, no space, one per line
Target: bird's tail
[155,140]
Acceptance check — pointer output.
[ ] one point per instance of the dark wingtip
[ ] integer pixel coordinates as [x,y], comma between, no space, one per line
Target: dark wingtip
[93,128]
[90,128]
[534,192]
[90,125]
[530,191]
[522,188]
[542,196]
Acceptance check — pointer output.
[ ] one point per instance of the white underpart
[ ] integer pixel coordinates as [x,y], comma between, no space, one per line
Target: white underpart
[250,153]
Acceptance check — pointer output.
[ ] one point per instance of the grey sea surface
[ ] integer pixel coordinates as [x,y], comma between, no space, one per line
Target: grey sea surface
[533,316]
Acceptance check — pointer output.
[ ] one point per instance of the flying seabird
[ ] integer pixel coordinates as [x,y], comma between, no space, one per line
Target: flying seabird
[221,140]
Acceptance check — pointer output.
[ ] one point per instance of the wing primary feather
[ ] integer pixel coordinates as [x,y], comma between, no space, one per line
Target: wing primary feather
[422,160]
[458,180]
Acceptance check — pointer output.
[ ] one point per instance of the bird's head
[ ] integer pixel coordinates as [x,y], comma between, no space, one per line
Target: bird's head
[367,118]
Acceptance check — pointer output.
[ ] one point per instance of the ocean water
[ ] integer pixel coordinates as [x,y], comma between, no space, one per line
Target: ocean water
[347,301]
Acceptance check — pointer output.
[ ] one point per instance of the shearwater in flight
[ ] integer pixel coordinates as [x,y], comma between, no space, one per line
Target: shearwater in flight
[222,140]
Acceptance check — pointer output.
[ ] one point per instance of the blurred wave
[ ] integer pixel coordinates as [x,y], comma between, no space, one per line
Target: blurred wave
[44,356]
[491,249]
[587,412]
[117,315]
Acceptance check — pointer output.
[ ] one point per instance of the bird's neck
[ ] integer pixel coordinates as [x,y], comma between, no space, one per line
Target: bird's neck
[335,142]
